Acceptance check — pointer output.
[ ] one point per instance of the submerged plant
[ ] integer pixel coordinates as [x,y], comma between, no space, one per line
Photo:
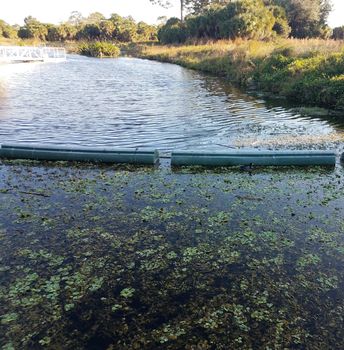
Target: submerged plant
[127,293]
[135,269]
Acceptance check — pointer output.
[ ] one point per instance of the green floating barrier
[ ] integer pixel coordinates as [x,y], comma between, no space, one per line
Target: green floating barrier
[267,158]
[79,154]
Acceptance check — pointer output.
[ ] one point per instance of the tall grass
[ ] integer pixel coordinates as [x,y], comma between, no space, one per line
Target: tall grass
[250,49]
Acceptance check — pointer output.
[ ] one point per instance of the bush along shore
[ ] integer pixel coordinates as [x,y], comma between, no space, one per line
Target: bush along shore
[308,71]
[99,49]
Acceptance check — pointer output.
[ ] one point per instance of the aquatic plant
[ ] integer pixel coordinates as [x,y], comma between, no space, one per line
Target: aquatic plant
[99,49]
[120,257]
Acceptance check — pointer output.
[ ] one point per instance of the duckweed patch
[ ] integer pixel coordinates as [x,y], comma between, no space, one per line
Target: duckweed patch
[139,258]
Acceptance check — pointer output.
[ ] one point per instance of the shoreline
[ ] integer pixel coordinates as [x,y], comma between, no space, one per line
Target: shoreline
[305,72]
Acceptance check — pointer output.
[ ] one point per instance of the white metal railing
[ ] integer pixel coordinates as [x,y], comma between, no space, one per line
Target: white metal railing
[31,53]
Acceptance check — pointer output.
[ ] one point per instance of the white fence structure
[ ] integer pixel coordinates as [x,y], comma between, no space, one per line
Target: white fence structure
[9,54]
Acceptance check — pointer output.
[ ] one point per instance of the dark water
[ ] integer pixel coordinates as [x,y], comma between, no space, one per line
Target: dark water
[129,102]
[124,258]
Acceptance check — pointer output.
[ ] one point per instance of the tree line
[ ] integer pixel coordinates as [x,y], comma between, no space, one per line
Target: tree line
[259,19]
[209,19]
[94,27]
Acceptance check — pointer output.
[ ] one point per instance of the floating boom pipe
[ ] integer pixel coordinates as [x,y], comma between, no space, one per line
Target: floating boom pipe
[79,154]
[259,157]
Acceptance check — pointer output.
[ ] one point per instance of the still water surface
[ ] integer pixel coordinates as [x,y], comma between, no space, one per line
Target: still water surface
[130,102]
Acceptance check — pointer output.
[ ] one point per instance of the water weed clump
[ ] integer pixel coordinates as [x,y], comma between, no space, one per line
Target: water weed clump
[99,49]
[120,257]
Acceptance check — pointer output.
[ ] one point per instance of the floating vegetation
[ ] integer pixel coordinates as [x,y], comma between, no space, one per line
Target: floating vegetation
[121,257]
[295,141]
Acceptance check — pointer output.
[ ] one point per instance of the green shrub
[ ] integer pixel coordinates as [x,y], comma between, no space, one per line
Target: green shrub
[281,26]
[247,19]
[99,49]
[338,33]
[286,51]
[174,31]
[7,31]
[317,80]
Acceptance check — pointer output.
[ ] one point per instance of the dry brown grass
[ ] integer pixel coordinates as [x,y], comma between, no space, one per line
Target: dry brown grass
[251,49]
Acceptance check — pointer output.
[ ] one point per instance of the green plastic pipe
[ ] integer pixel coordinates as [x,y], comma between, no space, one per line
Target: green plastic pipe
[80,154]
[259,157]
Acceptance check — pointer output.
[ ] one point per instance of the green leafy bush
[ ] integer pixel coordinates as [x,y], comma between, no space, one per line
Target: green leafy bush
[7,31]
[99,49]
[247,19]
[174,31]
[317,80]
[338,33]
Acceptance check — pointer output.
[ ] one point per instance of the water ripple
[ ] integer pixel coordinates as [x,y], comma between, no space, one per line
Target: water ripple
[137,103]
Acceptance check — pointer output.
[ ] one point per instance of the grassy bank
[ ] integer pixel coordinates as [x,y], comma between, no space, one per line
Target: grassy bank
[306,71]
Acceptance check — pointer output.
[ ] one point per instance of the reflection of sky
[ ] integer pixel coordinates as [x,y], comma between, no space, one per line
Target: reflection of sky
[3,101]
[7,71]
[11,75]
[128,102]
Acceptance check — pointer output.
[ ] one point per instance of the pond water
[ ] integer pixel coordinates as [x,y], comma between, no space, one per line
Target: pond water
[130,102]
[121,257]
[101,258]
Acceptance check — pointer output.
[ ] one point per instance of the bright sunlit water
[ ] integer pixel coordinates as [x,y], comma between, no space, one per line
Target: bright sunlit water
[130,102]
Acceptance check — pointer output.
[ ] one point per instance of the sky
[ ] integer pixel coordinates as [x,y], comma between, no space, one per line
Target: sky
[14,11]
